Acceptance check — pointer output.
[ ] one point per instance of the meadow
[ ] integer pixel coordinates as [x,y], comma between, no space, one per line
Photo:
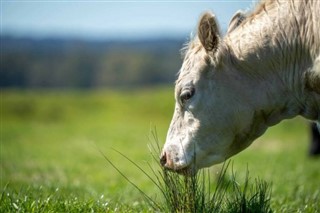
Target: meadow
[51,144]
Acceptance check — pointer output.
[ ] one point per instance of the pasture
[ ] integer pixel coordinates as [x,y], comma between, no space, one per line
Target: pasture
[50,143]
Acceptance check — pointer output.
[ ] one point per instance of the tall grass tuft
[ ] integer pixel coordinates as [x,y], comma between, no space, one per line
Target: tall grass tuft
[251,197]
[197,192]
[193,193]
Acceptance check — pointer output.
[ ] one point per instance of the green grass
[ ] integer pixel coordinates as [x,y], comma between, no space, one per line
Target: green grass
[51,140]
[197,193]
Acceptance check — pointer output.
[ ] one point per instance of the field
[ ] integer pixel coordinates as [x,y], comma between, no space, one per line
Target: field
[51,142]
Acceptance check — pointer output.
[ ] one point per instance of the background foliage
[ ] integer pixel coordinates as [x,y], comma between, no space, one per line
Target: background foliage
[68,63]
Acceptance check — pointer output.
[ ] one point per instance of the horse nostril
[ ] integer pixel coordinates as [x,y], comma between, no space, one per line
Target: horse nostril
[163,159]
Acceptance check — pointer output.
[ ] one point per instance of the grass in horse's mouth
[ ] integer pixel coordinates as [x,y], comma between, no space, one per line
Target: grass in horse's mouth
[195,192]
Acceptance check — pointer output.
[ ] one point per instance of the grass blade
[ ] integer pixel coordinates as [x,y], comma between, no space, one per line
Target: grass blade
[149,199]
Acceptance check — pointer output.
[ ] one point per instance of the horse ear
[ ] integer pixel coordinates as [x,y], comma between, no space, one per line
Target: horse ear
[236,20]
[208,32]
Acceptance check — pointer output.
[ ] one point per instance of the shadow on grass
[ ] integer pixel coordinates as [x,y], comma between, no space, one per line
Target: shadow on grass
[197,192]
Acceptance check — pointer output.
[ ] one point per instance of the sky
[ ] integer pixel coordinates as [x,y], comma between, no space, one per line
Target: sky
[101,19]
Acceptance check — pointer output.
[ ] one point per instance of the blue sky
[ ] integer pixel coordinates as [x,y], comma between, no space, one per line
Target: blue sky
[111,19]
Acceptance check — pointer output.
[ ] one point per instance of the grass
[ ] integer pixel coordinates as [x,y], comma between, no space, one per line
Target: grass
[48,200]
[49,140]
[194,192]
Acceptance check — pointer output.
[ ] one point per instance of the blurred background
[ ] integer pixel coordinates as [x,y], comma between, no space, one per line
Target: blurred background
[94,44]
[82,76]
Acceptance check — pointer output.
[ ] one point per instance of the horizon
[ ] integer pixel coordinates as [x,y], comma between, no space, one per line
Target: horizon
[110,20]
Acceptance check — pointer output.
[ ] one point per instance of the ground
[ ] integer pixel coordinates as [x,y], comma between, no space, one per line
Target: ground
[51,143]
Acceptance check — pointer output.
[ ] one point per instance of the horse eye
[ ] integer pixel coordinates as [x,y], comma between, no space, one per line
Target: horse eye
[186,95]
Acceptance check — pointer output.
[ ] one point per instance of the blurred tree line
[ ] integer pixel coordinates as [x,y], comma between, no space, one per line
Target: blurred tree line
[63,63]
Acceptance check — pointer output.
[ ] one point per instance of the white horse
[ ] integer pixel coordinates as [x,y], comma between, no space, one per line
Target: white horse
[231,89]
